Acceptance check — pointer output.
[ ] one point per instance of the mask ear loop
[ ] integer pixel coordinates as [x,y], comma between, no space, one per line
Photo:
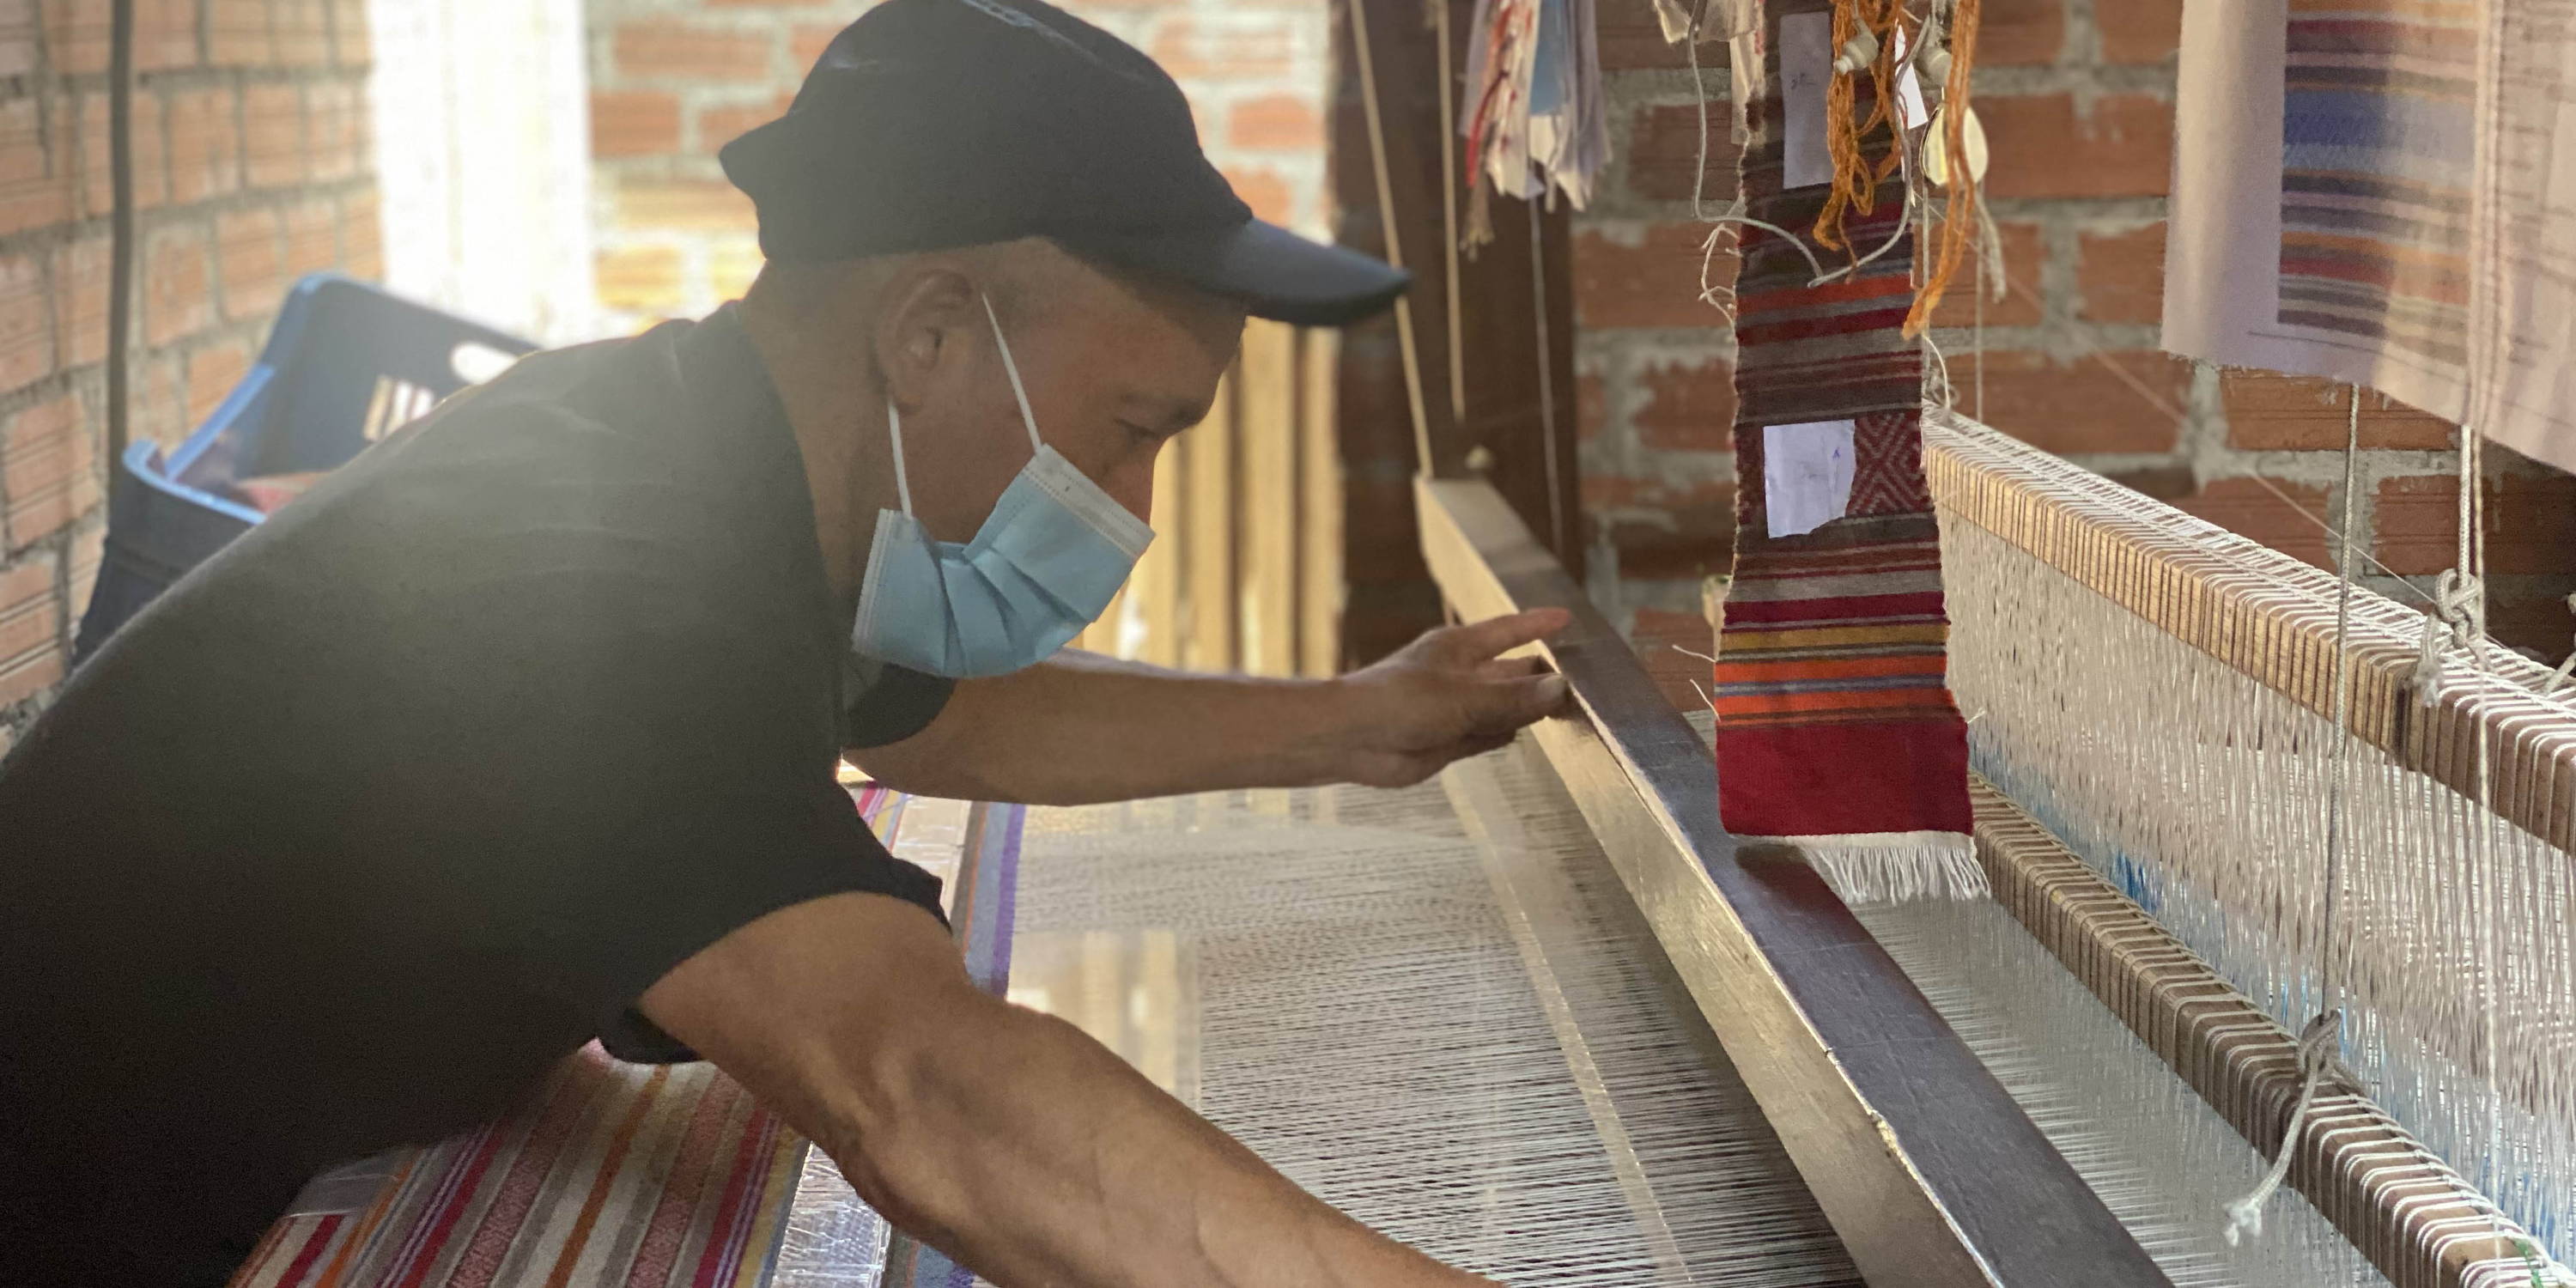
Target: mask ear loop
[1012,369]
[894,431]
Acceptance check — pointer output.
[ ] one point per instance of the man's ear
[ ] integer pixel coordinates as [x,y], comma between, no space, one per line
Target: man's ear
[925,314]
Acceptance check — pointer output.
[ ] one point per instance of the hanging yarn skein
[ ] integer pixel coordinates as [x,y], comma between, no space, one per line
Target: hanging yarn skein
[1866,32]
[1962,215]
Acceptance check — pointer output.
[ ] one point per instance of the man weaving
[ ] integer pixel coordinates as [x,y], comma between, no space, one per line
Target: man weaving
[521,729]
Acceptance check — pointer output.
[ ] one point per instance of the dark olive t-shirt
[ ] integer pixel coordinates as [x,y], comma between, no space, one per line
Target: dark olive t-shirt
[413,790]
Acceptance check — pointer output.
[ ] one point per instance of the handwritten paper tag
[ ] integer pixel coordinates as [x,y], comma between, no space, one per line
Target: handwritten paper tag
[1806,63]
[1806,475]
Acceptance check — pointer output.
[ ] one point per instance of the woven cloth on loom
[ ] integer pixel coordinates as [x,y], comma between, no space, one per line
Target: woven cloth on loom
[612,1173]
[1835,726]
[2379,192]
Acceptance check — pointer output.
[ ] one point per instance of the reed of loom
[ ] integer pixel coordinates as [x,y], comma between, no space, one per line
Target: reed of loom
[2272,619]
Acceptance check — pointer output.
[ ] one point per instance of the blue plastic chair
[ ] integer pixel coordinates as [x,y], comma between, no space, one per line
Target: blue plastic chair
[347,362]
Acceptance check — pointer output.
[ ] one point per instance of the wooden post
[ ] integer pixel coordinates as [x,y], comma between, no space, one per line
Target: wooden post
[1207,557]
[1319,508]
[1266,472]
[1156,589]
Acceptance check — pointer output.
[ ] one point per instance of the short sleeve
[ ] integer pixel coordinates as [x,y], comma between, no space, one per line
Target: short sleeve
[633,710]
[883,703]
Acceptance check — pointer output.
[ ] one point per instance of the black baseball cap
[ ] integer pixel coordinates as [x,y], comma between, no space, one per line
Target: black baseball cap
[930,124]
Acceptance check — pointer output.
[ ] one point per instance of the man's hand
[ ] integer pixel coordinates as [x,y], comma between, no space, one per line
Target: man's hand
[1007,1139]
[1448,695]
[1076,728]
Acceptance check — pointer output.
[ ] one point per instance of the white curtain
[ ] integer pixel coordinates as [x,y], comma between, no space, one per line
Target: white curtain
[482,139]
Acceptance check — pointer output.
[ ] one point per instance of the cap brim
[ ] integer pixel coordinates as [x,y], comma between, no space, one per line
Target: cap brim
[1273,272]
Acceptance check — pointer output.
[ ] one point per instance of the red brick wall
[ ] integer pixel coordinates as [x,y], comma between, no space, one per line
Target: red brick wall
[2077,98]
[672,81]
[252,168]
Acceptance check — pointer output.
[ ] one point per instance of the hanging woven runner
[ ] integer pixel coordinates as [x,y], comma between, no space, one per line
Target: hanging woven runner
[1836,731]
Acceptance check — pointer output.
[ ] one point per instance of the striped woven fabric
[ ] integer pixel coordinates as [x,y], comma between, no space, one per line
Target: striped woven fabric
[2379,147]
[1836,730]
[611,1173]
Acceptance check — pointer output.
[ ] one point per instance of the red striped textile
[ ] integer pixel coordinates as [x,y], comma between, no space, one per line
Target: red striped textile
[1835,723]
[639,1176]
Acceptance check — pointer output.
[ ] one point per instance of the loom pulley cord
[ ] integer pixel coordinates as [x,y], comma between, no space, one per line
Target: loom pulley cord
[120,303]
[2321,1042]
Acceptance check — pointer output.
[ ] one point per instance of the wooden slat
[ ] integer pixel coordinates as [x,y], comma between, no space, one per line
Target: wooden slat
[1156,587]
[1266,480]
[1207,558]
[1319,508]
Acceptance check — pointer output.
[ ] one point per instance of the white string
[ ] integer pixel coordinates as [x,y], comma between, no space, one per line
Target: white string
[1012,369]
[2565,675]
[894,431]
[1726,221]
[2321,1043]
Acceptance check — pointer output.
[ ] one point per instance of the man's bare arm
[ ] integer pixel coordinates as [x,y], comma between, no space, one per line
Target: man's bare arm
[1004,1137]
[1081,728]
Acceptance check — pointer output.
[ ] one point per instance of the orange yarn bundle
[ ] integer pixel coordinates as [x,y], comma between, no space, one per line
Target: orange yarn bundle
[1959,220]
[1856,178]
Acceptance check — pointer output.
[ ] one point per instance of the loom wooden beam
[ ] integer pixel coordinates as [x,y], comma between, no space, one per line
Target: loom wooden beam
[1930,1173]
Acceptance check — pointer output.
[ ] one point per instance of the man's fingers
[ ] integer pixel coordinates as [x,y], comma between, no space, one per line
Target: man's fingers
[1504,707]
[1479,641]
[1512,668]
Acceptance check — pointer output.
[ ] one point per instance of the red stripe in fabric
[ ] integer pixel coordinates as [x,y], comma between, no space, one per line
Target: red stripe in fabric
[1854,610]
[311,1252]
[1804,297]
[659,1250]
[1916,563]
[537,1154]
[729,1209]
[1812,328]
[1758,669]
[450,1210]
[1787,780]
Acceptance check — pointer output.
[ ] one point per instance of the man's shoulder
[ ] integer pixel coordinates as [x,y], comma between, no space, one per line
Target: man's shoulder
[562,433]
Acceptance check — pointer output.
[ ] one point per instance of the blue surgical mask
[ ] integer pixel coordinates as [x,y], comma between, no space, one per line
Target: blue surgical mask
[1045,564]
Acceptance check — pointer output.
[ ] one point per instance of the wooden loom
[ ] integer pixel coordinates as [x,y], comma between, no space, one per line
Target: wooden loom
[1902,1142]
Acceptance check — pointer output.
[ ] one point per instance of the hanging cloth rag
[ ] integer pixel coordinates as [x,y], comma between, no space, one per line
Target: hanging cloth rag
[1836,732]
[1534,118]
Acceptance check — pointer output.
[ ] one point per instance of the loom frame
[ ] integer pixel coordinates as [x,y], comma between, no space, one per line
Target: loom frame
[1920,1159]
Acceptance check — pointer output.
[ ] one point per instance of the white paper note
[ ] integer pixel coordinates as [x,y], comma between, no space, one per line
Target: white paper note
[1909,90]
[1806,475]
[1806,60]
